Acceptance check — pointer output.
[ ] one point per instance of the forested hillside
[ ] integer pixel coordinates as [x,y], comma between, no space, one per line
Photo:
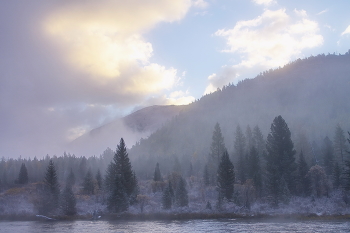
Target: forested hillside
[311,94]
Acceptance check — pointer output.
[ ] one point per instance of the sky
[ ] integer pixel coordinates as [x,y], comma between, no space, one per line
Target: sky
[69,66]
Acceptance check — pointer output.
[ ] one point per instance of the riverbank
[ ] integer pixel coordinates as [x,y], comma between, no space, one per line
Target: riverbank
[177,216]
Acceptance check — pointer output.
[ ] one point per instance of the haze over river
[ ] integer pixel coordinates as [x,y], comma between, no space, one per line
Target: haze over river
[223,225]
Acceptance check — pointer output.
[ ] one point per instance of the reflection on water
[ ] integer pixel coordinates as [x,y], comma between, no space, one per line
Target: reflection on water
[227,225]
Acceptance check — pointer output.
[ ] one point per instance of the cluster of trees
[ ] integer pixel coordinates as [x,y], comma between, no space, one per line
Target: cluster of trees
[269,170]
[273,167]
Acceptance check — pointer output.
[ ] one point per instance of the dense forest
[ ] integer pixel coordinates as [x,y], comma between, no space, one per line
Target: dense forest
[213,156]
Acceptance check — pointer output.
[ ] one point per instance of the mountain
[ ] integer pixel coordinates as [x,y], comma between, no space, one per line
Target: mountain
[311,94]
[131,127]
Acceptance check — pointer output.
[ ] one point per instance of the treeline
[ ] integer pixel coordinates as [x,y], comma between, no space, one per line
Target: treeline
[269,170]
[274,171]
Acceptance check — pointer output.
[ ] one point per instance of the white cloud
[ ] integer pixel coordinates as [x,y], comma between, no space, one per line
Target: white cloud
[263,2]
[200,4]
[270,40]
[347,31]
[322,12]
[227,74]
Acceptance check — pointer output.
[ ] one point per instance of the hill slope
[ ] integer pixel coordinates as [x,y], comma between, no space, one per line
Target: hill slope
[312,95]
[131,127]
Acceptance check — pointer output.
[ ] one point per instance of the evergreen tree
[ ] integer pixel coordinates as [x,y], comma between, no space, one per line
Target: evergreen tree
[336,176]
[347,170]
[240,153]
[217,148]
[23,175]
[157,175]
[120,181]
[117,200]
[70,178]
[181,196]
[280,161]
[206,176]
[167,197]
[254,170]
[226,177]
[49,194]
[99,179]
[340,146]
[303,180]
[328,156]
[88,184]
[123,165]
[68,203]
[258,140]
[249,138]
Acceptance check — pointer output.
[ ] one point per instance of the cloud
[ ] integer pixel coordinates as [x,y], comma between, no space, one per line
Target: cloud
[270,40]
[226,75]
[70,66]
[263,2]
[322,12]
[200,4]
[347,31]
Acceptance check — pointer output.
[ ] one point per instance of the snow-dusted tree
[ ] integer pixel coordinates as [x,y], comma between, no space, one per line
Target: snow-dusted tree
[181,195]
[328,156]
[340,146]
[217,148]
[88,184]
[157,175]
[23,175]
[347,170]
[240,153]
[303,181]
[336,176]
[226,177]
[280,161]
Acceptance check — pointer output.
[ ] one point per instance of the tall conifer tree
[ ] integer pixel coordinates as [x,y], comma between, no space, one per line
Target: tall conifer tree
[23,175]
[226,177]
[280,161]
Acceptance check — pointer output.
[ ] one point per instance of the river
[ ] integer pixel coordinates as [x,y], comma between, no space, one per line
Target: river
[224,225]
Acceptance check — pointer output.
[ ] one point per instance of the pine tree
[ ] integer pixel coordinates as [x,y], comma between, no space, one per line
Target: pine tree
[336,176]
[50,191]
[258,140]
[328,156]
[123,164]
[99,179]
[157,175]
[70,178]
[280,161]
[120,181]
[206,176]
[340,146]
[254,170]
[347,170]
[302,179]
[181,195]
[217,148]
[88,184]
[68,203]
[23,175]
[226,177]
[240,153]
[167,197]
[117,200]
